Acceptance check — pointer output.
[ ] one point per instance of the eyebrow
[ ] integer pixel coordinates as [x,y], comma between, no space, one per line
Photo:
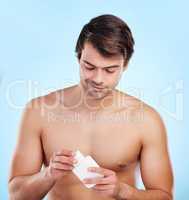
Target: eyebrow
[110,66]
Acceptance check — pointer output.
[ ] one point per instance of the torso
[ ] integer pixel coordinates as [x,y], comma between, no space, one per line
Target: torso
[114,144]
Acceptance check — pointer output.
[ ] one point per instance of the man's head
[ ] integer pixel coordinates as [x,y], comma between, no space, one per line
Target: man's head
[104,48]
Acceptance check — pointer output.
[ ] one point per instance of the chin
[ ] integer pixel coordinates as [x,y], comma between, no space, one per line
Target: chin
[98,95]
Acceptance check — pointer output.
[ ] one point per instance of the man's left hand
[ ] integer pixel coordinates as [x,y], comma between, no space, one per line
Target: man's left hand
[108,185]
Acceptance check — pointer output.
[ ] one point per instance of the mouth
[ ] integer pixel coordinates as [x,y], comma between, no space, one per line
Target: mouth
[96,87]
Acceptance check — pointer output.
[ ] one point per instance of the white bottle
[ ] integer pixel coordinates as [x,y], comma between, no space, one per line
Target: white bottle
[81,168]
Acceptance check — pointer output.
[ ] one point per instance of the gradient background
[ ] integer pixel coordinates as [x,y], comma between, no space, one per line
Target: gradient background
[37,41]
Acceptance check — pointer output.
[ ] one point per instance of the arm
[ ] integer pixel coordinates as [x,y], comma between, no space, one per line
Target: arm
[155,164]
[26,181]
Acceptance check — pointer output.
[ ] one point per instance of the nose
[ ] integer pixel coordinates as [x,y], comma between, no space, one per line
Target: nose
[98,77]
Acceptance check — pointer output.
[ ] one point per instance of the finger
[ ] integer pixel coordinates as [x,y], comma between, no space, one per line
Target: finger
[100,170]
[64,159]
[65,152]
[103,187]
[99,180]
[61,166]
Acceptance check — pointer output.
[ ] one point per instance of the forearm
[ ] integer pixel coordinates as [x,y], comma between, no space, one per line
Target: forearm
[33,187]
[130,193]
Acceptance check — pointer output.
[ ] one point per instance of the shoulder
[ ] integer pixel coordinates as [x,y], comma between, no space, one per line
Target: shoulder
[57,97]
[132,107]
[51,102]
[153,129]
[152,118]
[36,106]
[144,118]
[136,107]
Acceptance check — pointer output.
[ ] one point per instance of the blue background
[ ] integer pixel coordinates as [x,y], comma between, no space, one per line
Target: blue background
[37,41]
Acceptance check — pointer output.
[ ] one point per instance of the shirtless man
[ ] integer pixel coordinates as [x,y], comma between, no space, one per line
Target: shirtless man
[116,129]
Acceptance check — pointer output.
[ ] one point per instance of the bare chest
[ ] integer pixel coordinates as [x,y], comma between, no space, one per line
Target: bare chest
[113,145]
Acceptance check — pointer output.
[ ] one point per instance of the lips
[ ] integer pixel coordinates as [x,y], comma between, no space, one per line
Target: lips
[95,86]
[98,88]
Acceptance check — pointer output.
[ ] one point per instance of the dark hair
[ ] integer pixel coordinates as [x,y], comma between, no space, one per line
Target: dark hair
[109,34]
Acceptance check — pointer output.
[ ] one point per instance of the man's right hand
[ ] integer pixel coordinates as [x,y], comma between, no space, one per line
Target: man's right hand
[60,164]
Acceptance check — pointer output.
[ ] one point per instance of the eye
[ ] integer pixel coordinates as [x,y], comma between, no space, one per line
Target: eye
[110,70]
[88,67]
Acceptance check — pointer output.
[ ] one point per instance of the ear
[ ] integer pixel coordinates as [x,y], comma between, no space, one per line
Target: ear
[77,57]
[125,67]
[78,60]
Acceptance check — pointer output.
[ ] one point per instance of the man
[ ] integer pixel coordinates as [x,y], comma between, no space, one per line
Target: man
[116,129]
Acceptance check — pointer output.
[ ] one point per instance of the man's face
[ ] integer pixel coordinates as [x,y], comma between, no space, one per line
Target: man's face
[99,75]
